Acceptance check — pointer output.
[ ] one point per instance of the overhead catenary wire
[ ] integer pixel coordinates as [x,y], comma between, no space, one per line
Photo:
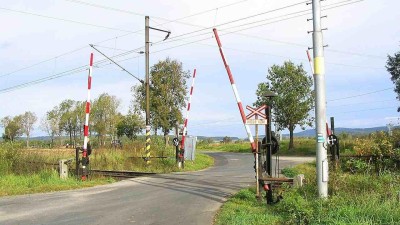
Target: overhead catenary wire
[365,110]
[224,6]
[137,78]
[128,52]
[363,103]
[65,20]
[27,67]
[108,39]
[157,17]
[98,64]
[359,95]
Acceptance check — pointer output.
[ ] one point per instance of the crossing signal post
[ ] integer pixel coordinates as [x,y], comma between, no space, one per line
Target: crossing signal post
[256,112]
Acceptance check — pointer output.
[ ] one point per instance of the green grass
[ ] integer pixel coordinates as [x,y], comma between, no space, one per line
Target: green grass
[353,199]
[31,171]
[44,181]
[303,147]
[243,147]
[242,209]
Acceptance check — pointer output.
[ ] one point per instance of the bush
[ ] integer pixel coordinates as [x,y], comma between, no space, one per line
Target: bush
[290,172]
[9,156]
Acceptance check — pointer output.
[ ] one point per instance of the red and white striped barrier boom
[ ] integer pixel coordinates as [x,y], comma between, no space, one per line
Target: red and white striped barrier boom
[86,127]
[187,116]
[228,70]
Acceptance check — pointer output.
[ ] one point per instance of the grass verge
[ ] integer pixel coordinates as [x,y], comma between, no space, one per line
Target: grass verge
[353,199]
[44,181]
[25,171]
[303,147]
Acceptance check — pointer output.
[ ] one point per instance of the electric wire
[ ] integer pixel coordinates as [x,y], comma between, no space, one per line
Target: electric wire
[363,103]
[128,52]
[359,95]
[70,52]
[160,18]
[98,64]
[83,47]
[65,20]
[365,110]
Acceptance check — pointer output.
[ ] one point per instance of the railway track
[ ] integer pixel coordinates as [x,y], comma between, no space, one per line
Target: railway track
[120,174]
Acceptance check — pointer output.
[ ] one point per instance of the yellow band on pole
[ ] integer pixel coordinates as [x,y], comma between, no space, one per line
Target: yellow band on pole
[319,65]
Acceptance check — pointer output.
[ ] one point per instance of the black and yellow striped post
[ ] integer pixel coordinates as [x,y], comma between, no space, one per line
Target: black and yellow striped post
[148,144]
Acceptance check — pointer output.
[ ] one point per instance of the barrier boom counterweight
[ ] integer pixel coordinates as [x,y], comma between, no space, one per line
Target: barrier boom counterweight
[239,102]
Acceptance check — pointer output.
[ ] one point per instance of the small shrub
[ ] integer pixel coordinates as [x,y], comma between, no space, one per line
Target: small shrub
[290,172]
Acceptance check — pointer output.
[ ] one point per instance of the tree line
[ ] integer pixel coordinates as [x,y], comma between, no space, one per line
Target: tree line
[167,99]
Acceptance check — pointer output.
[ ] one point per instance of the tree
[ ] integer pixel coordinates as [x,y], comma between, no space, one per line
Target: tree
[130,125]
[295,96]
[226,140]
[51,123]
[27,121]
[66,109]
[167,95]
[12,127]
[78,119]
[393,67]
[105,116]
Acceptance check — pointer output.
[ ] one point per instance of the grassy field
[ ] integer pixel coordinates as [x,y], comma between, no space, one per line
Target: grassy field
[303,147]
[354,199]
[24,171]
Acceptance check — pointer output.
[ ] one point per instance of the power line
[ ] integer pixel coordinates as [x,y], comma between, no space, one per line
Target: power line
[243,18]
[137,78]
[116,37]
[141,14]
[65,20]
[70,52]
[83,47]
[128,52]
[354,96]
[235,49]
[362,103]
[220,7]
[97,64]
[365,110]
[58,56]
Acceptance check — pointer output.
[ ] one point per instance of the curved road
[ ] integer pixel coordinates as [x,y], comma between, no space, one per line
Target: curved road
[179,198]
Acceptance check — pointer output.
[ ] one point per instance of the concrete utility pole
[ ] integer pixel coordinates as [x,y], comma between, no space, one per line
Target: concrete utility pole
[320,100]
[147,43]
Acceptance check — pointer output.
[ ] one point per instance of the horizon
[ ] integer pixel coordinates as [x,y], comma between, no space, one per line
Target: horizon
[358,87]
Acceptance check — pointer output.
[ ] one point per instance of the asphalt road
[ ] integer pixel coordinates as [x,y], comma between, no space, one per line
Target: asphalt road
[179,198]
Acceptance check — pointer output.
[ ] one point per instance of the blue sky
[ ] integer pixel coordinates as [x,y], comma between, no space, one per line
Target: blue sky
[359,35]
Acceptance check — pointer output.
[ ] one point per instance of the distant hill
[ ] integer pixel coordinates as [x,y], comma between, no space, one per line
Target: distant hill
[311,132]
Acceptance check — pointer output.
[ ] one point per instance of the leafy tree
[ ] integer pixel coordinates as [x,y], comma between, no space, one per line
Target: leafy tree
[50,123]
[105,116]
[27,121]
[78,119]
[12,127]
[226,140]
[295,96]
[67,120]
[130,125]
[167,95]
[393,67]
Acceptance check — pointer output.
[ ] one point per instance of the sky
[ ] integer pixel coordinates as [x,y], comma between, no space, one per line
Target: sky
[50,38]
